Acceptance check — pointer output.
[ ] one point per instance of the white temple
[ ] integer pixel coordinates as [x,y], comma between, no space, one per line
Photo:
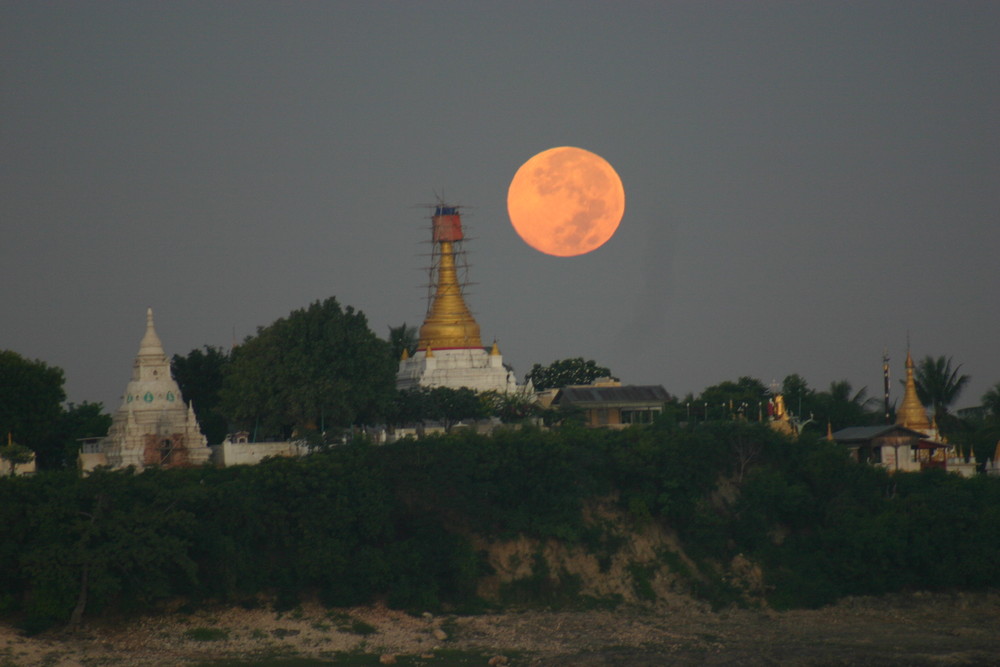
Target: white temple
[450,352]
[152,426]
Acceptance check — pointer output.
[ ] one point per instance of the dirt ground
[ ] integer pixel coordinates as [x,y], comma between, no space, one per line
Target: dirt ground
[918,629]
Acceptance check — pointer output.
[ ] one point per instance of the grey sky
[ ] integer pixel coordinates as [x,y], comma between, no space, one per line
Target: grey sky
[805,182]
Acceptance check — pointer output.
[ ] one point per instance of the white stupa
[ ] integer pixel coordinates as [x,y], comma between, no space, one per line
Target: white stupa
[152,426]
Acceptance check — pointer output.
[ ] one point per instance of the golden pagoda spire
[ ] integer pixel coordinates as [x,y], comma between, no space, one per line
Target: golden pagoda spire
[449,323]
[911,413]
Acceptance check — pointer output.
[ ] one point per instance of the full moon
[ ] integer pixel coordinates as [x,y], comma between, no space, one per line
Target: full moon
[566,201]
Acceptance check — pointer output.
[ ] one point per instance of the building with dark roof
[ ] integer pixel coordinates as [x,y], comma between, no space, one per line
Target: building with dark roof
[890,445]
[911,444]
[608,404]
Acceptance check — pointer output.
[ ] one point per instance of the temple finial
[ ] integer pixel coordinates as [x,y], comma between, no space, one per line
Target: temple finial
[150,343]
[911,413]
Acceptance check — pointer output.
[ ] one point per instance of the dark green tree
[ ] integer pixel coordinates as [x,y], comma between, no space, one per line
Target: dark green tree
[450,406]
[991,401]
[321,367]
[977,430]
[408,406]
[31,396]
[565,372]
[441,404]
[87,420]
[403,337]
[939,386]
[509,407]
[728,399]
[199,376]
[14,455]
[841,406]
[800,398]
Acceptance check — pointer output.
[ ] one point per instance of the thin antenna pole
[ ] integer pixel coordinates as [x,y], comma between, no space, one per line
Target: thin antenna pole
[885,379]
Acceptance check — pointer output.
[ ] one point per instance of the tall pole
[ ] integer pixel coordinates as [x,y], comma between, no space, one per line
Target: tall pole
[885,381]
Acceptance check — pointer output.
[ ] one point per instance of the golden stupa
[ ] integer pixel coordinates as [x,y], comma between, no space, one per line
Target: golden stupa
[449,323]
[450,352]
[911,413]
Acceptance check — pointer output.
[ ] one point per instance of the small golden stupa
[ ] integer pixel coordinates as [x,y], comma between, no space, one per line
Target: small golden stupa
[911,413]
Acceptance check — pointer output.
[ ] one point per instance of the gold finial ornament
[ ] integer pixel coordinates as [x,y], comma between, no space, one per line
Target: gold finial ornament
[449,323]
[911,413]
[495,350]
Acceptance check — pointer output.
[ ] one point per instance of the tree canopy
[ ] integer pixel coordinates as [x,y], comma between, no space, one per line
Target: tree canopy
[320,367]
[86,420]
[565,372]
[991,401]
[31,411]
[403,523]
[442,404]
[939,385]
[200,375]
[746,396]
[31,396]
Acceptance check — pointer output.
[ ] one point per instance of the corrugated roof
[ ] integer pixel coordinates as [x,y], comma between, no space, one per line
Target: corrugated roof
[864,433]
[627,395]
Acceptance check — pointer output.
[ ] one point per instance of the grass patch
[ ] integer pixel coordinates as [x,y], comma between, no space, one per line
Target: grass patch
[206,634]
[440,658]
[359,627]
[673,560]
[347,623]
[714,589]
[281,633]
[603,543]
[642,581]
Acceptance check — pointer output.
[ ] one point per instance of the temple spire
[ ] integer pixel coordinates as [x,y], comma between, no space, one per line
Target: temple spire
[450,352]
[911,413]
[449,323]
[150,344]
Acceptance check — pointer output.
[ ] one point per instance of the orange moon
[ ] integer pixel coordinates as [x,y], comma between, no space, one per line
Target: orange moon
[566,201]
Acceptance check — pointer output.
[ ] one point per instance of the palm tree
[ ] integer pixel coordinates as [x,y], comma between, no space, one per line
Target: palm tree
[844,407]
[938,385]
[991,401]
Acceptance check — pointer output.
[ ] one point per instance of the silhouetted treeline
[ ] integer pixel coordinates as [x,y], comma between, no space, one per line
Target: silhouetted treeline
[357,523]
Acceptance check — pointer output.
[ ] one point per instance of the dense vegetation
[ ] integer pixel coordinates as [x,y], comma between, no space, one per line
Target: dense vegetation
[319,368]
[34,419]
[355,523]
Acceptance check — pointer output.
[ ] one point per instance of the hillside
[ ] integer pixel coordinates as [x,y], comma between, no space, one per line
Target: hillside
[732,515]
